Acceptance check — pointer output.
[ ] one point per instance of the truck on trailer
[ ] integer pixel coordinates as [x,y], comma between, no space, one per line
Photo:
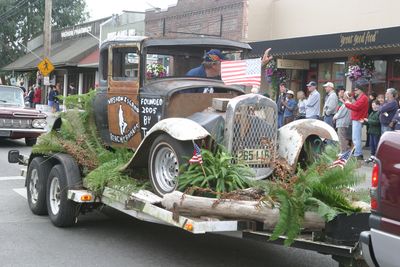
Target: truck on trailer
[159,113]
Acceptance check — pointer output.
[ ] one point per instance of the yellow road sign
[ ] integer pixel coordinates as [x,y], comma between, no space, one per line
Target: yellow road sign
[45,67]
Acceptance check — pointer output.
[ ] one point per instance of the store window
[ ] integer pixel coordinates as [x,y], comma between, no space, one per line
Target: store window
[378,81]
[394,73]
[294,79]
[330,72]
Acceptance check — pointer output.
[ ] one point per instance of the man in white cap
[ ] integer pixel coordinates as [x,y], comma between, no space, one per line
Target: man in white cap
[313,103]
[331,103]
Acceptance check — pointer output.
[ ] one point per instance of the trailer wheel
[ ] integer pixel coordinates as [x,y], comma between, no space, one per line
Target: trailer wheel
[62,211]
[36,181]
[165,158]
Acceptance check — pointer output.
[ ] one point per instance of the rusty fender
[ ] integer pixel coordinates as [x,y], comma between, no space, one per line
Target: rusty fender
[292,136]
[179,128]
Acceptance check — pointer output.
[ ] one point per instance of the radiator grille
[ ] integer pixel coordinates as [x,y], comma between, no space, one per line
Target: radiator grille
[253,135]
[15,123]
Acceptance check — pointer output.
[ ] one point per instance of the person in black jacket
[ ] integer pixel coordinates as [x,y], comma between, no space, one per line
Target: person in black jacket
[388,109]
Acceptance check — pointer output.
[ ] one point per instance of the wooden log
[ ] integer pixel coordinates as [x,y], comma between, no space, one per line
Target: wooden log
[233,209]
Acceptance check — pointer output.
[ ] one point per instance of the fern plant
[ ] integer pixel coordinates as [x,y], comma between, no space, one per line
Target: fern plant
[79,138]
[219,175]
[317,188]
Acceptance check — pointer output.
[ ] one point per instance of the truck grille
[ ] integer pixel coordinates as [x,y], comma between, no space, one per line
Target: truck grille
[251,132]
[15,123]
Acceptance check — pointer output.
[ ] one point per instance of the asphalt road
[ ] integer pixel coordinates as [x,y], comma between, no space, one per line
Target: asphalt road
[110,238]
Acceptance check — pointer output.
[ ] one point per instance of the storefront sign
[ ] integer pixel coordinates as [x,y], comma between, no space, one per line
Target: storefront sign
[73,32]
[358,39]
[293,64]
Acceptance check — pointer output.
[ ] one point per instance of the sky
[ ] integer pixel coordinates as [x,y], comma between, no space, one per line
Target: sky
[104,8]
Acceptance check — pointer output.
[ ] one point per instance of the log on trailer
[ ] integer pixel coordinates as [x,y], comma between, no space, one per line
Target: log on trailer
[237,209]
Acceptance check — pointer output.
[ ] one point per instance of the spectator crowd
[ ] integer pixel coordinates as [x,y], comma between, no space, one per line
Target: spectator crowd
[346,112]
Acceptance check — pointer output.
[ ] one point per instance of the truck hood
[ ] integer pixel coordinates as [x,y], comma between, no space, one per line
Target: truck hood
[168,86]
[17,112]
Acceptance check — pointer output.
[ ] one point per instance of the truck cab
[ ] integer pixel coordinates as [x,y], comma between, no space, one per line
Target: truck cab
[146,99]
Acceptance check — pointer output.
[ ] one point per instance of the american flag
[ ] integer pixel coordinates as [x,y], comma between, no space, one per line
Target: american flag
[197,158]
[246,72]
[342,159]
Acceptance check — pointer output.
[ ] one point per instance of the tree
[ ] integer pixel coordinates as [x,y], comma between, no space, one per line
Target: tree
[23,19]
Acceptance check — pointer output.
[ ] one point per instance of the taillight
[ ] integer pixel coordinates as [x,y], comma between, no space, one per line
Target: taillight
[375,175]
[374,186]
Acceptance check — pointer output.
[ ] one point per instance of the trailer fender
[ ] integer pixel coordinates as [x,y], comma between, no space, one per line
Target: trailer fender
[181,129]
[71,169]
[292,137]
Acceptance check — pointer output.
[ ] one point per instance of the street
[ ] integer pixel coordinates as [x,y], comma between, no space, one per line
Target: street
[110,238]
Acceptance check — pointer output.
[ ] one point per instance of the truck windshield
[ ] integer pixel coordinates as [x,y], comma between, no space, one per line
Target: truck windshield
[177,64]
[11,97]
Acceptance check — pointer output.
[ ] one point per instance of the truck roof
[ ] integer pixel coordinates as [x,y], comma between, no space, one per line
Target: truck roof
[204,42]
[197,41]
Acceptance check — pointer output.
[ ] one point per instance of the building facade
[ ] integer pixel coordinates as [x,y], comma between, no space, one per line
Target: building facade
[219,18]
[327,35]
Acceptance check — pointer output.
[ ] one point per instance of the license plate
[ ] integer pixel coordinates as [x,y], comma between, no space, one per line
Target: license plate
[254,156]
[5,133]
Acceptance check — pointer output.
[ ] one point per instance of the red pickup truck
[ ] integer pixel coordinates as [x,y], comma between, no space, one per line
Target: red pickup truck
[381,245]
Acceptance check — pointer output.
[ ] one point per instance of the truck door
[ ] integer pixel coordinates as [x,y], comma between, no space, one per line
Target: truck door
[123,89]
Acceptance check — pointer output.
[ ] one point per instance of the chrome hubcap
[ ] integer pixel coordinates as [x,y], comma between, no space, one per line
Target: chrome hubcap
[54,195]
[166,169]
[33,186]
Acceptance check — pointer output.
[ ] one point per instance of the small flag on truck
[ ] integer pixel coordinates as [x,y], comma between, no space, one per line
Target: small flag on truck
[197,158]
[342,159]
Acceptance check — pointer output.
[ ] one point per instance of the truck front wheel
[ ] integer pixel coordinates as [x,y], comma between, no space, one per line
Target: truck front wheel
[165,158]
[36,181]
[62,211]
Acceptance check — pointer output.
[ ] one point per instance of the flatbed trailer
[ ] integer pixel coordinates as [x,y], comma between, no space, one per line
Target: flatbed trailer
[145,205]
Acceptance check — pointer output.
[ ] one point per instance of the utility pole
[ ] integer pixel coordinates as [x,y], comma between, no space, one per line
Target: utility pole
[46,38]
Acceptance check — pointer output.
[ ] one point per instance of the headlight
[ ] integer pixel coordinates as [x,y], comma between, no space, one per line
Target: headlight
[39,123]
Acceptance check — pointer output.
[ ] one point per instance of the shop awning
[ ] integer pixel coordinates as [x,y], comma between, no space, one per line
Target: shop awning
[91,60]
[370,42]
[65,53]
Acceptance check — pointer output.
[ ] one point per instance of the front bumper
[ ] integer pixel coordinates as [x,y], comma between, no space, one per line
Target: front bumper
[20,133]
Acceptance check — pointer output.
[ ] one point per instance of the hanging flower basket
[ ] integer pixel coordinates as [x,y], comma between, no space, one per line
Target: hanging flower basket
[155,70]
[360,66]
[272,73]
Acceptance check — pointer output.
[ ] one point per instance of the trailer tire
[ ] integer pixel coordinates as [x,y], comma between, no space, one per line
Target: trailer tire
[165,158]
[36,182]
[62,211]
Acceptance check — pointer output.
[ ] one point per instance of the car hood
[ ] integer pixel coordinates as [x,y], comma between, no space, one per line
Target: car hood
[16,112]
[167,86]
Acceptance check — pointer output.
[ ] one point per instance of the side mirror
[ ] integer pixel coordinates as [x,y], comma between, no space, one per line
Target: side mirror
[14,156]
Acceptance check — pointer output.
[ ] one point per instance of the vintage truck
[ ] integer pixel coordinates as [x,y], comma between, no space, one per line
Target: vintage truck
[160,118]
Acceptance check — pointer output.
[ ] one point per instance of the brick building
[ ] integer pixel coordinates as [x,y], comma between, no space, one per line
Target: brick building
[220,18]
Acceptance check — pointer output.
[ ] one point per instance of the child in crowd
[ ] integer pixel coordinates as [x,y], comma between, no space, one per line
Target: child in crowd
[381,98]
[374,129]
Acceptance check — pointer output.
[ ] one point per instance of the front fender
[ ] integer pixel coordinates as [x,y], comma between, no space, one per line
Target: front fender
[292,136]
[181,129]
